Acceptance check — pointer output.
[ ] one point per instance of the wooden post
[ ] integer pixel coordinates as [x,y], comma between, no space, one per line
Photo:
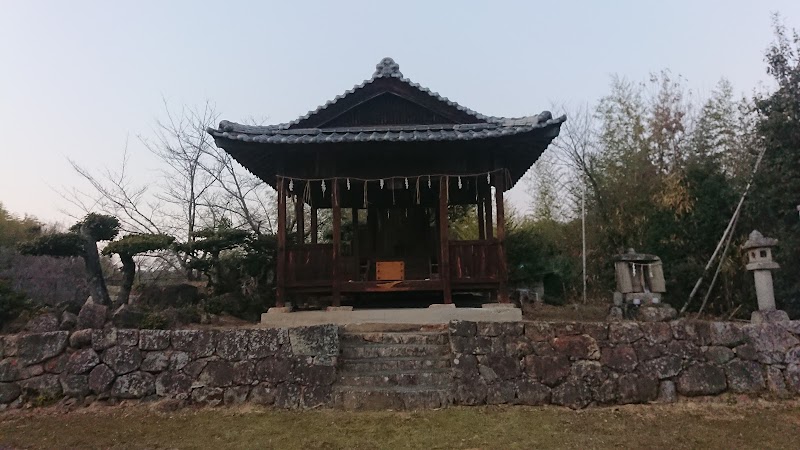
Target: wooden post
[481,220]
[300,218]
[355,249]
[487,211]
[280,293]
[313,225]
[444,244]
[502,291]
[372,238]
[337,243]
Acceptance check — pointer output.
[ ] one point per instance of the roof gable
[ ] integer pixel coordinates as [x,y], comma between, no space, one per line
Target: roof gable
[387,99]
[388,108]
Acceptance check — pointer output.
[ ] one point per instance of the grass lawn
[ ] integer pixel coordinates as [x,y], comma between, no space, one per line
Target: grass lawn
[748,424]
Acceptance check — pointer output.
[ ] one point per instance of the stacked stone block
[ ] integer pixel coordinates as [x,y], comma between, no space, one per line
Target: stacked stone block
[287,368]
[531,363]
[581,364]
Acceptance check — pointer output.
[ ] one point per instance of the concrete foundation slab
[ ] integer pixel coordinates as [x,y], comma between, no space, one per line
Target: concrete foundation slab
[498,305]
[442,306]
[420,316]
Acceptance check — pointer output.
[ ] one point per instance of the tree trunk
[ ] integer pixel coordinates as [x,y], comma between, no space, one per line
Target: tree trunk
[94,272]
[128,274]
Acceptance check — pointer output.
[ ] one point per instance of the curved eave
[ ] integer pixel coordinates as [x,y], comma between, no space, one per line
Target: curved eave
[519,149]
[386,134]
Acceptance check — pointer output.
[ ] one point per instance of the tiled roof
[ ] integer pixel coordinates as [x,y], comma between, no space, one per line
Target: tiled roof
[283,133]
[279,134]
[387,68]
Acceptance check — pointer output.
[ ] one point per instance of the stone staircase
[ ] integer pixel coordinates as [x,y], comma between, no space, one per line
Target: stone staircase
[394,370]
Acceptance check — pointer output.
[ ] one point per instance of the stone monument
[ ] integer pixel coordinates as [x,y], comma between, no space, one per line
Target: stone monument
[640,288]
[760,262]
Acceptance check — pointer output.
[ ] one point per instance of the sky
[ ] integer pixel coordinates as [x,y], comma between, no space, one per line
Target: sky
[80,79]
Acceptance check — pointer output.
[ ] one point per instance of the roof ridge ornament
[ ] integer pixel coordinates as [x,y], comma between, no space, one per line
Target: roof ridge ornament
[387,68]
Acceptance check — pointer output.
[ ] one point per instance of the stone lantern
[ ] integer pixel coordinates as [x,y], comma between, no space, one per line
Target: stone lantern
[760,262]
[640,288]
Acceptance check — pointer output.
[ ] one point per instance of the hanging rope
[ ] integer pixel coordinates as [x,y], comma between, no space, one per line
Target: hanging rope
[506,174]
[307,193]
[402,179]
[644,265]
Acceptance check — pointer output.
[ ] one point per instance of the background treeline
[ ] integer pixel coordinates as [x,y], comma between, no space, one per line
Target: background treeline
[661,170]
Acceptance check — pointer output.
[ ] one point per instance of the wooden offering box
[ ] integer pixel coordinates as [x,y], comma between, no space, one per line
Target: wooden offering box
[390,271]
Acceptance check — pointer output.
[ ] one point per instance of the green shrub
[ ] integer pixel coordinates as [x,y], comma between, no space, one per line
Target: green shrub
[42,400]
[154,321]
[215,304]
[12,303]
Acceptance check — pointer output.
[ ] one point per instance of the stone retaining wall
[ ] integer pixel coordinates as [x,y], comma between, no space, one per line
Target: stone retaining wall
[288,368]
[578,364]
[534,363]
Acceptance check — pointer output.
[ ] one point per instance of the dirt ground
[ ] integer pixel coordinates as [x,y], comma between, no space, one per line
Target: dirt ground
[735,423]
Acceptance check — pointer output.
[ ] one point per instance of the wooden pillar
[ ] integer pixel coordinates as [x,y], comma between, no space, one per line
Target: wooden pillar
[356,253]
[502,291]
[487,211]
[372,230]
[481,220]
[444,244]
[280,282]
[337,243]
[313,225]
[300,218]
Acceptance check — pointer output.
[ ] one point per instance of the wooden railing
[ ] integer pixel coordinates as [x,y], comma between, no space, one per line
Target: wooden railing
[309,264]
[475,261]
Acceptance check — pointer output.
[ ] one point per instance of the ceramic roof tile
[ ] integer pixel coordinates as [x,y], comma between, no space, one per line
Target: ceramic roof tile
[280,133]
[387,133]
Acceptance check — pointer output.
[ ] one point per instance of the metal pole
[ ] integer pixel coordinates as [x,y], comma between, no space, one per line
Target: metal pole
[583,236]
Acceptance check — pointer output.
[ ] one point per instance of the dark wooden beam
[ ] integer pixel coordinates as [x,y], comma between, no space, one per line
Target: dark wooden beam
[314,225]
[337,244]
[372,230]
[300,218]
[393,286]
[481,220]
[502,291]
[487,208]
[356,252]
[280,288]
[444,245]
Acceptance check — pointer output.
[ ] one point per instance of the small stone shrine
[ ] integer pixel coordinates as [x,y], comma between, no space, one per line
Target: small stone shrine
[640,288]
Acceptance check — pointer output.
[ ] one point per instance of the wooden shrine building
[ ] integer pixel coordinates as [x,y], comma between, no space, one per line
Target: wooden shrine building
[392,157]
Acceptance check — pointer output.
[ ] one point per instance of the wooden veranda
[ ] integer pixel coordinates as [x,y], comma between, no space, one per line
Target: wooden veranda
[376,173]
